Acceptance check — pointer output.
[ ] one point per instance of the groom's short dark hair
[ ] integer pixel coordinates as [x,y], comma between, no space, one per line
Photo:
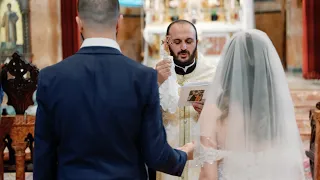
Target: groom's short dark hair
[99,12]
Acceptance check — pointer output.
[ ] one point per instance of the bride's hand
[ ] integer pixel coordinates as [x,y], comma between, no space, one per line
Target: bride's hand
[188,148]
[198,106]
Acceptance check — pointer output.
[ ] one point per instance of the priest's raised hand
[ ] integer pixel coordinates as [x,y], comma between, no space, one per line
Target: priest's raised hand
[163,69]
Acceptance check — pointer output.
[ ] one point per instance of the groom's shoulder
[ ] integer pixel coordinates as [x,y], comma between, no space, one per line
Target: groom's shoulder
[139,69]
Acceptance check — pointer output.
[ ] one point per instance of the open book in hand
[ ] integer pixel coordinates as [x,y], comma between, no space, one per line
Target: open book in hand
[192,92]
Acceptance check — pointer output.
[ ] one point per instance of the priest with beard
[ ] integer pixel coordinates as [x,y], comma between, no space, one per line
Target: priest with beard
[189,67]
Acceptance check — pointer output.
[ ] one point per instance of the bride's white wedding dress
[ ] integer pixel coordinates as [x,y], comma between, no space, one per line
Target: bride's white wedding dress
[257,168]
[247,129]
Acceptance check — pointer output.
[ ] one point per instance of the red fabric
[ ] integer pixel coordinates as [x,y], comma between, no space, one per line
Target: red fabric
[70,32]
[311,39]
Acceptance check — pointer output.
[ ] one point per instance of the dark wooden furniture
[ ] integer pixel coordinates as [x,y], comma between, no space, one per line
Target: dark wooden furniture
[314,152]
[19,81]
[5,126]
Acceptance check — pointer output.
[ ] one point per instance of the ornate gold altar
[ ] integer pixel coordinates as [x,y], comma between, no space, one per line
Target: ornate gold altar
[215,20]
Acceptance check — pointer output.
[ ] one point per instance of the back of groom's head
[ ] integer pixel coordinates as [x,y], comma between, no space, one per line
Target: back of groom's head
[99,13]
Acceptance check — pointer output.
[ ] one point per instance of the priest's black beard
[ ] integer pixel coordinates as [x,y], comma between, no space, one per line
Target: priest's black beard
[186,63]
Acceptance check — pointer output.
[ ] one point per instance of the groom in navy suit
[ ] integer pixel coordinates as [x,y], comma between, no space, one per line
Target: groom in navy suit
[98,111]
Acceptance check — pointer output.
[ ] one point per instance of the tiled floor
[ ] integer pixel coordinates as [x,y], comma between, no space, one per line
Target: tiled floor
[296,82]
[12,176]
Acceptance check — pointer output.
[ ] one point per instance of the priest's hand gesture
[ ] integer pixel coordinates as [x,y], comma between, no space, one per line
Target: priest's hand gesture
[163,69]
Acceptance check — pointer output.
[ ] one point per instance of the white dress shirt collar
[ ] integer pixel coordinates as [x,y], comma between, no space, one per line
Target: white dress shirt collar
[185,69]
[104,42]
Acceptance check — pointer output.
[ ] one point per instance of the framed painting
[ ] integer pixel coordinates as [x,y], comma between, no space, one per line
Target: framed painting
[265,6]
[14,29]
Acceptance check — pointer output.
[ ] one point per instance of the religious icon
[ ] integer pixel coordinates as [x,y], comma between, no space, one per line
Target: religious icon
[196,95]
[14,29]
[9,21]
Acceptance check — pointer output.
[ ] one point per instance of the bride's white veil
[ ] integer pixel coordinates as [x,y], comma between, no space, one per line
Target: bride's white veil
[248,121]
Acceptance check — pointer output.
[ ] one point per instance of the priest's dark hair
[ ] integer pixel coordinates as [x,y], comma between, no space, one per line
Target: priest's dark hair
[182,21]
[99,12]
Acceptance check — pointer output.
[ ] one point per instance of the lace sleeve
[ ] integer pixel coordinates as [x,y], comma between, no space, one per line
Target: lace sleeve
[209,155]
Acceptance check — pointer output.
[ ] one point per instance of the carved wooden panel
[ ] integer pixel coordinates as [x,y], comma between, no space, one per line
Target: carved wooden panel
[130,38]
[317,143]
[5,126]
[19,80]
[267,5]
[268,22]
[20,131]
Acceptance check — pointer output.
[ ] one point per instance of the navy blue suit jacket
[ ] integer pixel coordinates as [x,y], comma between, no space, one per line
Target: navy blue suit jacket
[98,118]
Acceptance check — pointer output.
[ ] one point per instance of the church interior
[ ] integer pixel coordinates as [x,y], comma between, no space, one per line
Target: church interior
[45,32]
